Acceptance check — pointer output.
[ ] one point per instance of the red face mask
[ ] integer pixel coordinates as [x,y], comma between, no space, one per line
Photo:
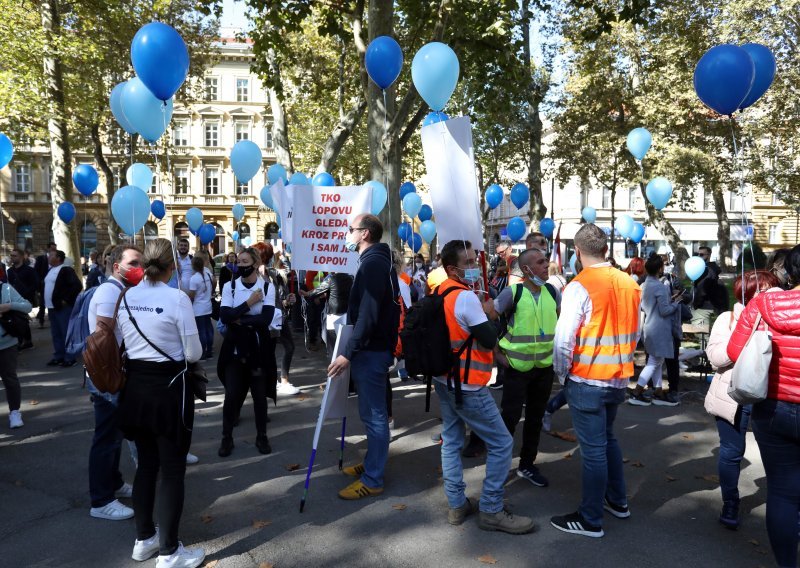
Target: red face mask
[133,275]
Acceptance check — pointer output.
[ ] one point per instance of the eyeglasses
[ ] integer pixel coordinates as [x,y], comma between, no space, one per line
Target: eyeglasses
[351,229]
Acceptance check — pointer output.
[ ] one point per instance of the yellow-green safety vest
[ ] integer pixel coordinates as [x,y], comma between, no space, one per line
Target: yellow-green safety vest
[529,342]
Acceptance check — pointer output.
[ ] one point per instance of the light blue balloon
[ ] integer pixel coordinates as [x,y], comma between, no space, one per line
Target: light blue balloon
[235,236]
[379,196]
[494,195]
[278,221]
[624,225]
[659,192]
[247,241]
[547,226]
[130,208]
[145,113]
[428,230]
[6,150]
[637,233]
[194,218]
[245,160]
[266,197]
[275,173]
[434,71]
[412,203]
[66,211]
[115,101]
[639,141]
[323,179]
[515,229]
[572,260]
[694,267]
[589,214]
[299,178]
[238,212]
[139,175]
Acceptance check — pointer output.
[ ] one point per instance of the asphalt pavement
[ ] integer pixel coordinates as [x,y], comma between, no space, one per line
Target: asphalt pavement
[244,510]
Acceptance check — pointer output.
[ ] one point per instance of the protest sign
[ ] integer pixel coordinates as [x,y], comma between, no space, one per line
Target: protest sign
[283,198]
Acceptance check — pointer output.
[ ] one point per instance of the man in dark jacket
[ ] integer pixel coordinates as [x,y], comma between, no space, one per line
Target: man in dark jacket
[374,313]
[25,281]
[41,265]
[61,288]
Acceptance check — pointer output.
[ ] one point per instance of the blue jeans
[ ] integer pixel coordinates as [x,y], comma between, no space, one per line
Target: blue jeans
[732,440]
[776,425]
[368,369]
[205,330]
[555,403]
[478,411]
[593,412]
[59,320]
[104,475]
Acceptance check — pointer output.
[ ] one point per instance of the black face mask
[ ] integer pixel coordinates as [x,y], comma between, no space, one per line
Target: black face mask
[245,271]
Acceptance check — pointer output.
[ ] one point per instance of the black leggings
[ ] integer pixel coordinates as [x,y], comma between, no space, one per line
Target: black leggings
[8,373]
[287,340]
[239,379]
[159,453]
[673,367]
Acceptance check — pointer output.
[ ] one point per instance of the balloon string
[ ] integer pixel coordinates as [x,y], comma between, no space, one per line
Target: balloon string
[740,172]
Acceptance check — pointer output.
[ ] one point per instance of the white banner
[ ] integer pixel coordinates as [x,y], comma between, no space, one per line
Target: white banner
[453,186]
[334,399]
[320,223]
[283,198]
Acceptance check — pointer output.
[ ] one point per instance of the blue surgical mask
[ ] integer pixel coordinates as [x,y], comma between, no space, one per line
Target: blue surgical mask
[471,275]
[537,281]
[351,247]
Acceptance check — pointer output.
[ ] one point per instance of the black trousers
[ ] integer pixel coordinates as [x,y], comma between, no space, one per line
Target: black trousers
[159,453]
[239,379]
[531,388]
[8,374]
[287,340]
[673,367]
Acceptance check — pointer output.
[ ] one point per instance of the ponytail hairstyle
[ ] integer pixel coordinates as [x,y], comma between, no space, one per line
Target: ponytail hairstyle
[158,259]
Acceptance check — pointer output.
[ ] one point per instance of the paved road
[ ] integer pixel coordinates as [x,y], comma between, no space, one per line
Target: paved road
[244,509]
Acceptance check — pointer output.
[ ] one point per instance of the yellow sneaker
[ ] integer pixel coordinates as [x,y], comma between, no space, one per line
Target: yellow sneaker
[354,470]
[357,490]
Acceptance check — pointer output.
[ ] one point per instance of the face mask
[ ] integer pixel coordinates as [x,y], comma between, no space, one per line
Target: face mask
[471,275]
[246,271]
[351,247]
[537,281]
[418,265]
[133,275]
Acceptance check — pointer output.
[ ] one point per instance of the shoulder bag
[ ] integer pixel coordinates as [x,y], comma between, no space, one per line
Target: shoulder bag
[750,376]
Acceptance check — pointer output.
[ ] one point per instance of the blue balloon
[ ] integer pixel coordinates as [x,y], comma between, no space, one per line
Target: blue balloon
[765,65]
[624,225]
[245,160]
[238,212]
[148,115]
[406,188]
[434,72]
[637,233]
[428,230]
[494,195]
[299,178]
[235,236]
[130,208]
[157,209]
[724,77]
[379,196]
[404,231]
[85,179]
[276,172]
[194,218]
[323,179]
[415,242]
[659,192]
[412,203]
[115,101]
[589,214]
[384,61]
[639,141]
[139,175]
[6,150]
[520,195]
[160,59]
[547,226]
[516,229]
[694,267]
[425,213]
[66,211]
[434,117]
[206,233]
[280,236]
[266,197]
[572,260]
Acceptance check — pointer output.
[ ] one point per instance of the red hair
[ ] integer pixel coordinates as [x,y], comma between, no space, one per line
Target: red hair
[266,251]
[636,266]
[755,281]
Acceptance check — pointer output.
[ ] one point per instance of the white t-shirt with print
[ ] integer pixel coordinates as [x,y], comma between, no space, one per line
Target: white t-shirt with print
[103,303]
[200,284]
[469,313]
[241,294]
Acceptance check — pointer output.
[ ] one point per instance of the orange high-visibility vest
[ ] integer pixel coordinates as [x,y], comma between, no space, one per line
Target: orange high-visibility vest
[475,362]
[605,344]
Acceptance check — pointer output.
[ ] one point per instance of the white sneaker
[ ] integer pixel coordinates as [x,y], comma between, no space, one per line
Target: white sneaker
[125,491]
[182,558]
[547,421]
[287,389]
[15,419]
[114,511]
[191,459]
[144,549]
[391,424]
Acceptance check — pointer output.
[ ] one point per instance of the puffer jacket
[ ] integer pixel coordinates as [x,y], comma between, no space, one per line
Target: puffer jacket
[781,312]
[717,402]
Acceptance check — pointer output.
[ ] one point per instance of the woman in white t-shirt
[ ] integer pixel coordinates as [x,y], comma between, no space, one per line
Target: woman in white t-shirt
[201,287]
[157,406]
[247,356]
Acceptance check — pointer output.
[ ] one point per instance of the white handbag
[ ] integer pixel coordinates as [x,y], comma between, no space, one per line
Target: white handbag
[750,377]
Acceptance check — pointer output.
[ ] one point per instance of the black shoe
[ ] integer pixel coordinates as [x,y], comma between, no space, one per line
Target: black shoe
[262,443]
[67,364]
[226,447]
[24,346]
[729,517]
[531,473]
[575,524]
[619,511]
[55,362]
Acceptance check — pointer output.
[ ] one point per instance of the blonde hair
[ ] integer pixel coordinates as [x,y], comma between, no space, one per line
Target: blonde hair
[158,258]
[553,269]
[254,254]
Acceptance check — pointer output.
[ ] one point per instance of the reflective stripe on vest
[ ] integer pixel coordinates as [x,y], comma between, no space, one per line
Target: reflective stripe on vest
[605,344]
[475,362]
[523,345]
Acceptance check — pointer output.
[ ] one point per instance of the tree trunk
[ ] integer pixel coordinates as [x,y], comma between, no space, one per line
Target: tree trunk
[280,129]
[97,151]
[723,228]
[665,227]
[336,140]
[65,235]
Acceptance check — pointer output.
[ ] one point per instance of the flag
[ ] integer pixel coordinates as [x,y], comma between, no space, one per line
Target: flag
[555,256]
